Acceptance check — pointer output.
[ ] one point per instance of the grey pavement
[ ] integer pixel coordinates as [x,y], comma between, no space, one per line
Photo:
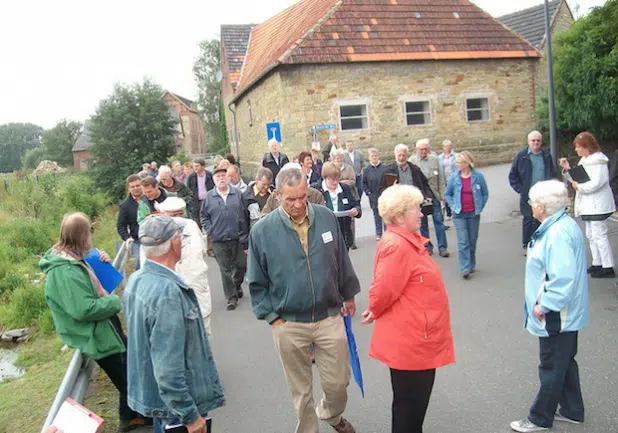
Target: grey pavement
[495,377]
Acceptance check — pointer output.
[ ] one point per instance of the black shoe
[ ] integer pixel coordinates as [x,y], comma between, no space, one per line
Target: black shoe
[594,268]
[465,275]
[240,293]
[603,273]
[354,247]
[447,227]
[231,304]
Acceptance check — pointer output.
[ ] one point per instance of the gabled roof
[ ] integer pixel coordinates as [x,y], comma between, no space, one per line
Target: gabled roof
[234,42]
[83,141]
[530,23]
[184,101]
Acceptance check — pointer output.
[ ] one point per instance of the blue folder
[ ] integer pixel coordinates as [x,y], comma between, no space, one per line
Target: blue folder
[105,272]
[354,360]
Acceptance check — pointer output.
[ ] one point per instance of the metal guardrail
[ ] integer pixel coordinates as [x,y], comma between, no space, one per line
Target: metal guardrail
[75,381]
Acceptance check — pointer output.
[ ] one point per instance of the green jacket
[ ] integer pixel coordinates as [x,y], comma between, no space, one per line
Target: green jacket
[81,316]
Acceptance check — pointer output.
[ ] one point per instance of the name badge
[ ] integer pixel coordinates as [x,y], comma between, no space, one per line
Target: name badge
[327,237]
[478,187]
[435,172]
[344,200]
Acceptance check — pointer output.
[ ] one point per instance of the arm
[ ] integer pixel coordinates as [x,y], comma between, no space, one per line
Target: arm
[514,179]
[561,270]
[355,204]
[205,216]
[365,185]
[484,189]
[142,211]
[122,224]
[244,222]
[441,180]
[259,283]
[599,177]
[449,193]
[389,278]
[613,177]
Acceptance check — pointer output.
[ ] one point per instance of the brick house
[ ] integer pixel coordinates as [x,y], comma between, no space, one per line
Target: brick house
[383,72]
[82,158]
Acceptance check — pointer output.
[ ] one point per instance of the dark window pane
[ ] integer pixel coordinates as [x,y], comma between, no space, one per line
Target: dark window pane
[415,107]
[474,103]
[475,115]
[416,119]
[351,110]
[352,123]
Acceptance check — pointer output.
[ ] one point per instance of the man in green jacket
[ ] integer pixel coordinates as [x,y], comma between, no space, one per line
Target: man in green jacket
[300,275]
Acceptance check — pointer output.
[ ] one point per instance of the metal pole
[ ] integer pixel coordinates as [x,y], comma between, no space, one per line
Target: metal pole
[550,88]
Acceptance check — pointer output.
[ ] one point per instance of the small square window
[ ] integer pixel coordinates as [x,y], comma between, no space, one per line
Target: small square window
[353,117]
[418,113]
[477,109]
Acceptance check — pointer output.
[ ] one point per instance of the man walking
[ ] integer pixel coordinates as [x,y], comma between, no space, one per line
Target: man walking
[300,275]
[449,166]
[126,224]
[355,159]
[166,341]
[169,183]
[273,159]
[430,166]
[233,175]
[256,195]
[222,218]
[372,176]
[531,165]
[153,193]
[199,182]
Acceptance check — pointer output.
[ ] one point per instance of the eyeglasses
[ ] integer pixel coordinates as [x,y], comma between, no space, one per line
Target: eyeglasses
[415,212]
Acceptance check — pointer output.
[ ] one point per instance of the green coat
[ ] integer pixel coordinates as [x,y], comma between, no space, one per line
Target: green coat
[81,316]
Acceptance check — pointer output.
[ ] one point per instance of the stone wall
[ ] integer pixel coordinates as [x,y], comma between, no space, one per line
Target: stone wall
[302,96]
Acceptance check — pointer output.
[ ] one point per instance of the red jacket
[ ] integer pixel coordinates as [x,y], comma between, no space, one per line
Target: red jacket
[412,330]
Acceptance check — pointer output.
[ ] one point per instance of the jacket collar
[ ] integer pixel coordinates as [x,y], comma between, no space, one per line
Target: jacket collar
[545,225]
[415,239]
[286,218]
[160,270]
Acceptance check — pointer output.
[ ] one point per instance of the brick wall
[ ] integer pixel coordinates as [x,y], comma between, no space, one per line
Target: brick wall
[81,160]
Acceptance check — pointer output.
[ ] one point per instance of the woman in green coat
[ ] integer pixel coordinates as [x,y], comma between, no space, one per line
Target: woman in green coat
[84,314]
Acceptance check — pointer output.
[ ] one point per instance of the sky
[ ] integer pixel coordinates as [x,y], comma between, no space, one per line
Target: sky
[59,58]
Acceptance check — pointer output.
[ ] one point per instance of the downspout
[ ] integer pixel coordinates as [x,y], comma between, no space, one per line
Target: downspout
[235,131]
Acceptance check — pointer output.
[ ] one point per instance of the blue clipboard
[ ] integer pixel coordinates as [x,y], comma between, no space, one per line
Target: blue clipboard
[354,360]
[105,272]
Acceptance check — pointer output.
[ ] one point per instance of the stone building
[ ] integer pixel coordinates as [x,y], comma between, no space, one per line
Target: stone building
[383,72]
[82,158]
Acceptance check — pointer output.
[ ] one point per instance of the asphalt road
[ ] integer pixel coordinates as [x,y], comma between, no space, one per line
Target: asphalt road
[495,377]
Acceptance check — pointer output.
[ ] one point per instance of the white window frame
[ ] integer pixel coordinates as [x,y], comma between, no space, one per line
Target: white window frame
[466,109]
[352,103]
[405,112]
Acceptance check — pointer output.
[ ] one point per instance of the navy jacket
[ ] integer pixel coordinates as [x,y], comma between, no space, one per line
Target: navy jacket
[269,162]
[372,178]
[126,224]
[520,176]
[192,184]
[225,220]
[346,201]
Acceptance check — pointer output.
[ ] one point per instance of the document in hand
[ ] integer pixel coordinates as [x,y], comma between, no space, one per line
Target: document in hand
[75,418]
[354,360]
[578,174]
[105,272]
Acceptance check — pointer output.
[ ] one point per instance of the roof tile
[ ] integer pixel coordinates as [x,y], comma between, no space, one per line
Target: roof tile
[530,23]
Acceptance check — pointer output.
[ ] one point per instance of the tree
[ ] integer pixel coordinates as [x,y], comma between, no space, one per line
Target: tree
[130,127]
[586,75]
[209,101]
[15,140]
[58,142]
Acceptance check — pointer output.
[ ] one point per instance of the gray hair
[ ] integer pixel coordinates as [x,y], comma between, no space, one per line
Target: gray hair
[422,141]
[290,175]
[551,194]
[264,172]
[165,169]
[158,250]
[272,141]
[372,150]
[337,152]
[401,146]
[534,134]
[445,142]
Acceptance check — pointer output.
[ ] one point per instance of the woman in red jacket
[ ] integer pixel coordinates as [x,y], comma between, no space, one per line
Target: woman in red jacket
[409,304]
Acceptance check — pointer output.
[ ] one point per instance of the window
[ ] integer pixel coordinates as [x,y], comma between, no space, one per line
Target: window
[477,109]
[353,117]
[418,113]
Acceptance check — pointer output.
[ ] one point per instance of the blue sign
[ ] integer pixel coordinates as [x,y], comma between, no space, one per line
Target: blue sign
[273,130]
[324,126]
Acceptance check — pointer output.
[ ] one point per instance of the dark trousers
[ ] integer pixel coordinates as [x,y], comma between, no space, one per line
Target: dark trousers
[115,366]
[232,262]
[447,209]
[377,219]
[559,377]
[529,225]
[438,223]
[411,393]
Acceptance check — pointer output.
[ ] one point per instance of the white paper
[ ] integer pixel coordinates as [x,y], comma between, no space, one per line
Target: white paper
[72,419]
[343,213]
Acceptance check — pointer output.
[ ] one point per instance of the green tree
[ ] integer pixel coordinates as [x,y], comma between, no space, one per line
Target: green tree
[206,69]
[130,127]
[15,140]
[58,141]
[586,75]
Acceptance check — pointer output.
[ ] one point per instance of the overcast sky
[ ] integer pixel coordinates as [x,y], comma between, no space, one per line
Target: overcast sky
[59,58]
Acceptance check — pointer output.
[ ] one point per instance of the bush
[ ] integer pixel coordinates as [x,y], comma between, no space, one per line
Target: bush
[11,281]
[25,306]
[79,194]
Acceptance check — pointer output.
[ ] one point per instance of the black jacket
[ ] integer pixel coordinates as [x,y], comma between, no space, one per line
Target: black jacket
[372,178]
[269,162]
[347,201]
[182,191]
[151,203]
[192,184]
[127,219]
[418,178]
[520,176]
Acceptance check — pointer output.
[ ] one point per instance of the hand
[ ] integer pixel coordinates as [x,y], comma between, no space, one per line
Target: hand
[564,164]
[368,317]
[277,322]
[354,212]
[396,182]
[53,429]
[129,241]
[197,426]
[246,251]
[575,185]
[104,257]
[349,308]
[538,313]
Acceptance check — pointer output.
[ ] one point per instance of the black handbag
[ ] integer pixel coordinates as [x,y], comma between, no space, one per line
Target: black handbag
[427,207]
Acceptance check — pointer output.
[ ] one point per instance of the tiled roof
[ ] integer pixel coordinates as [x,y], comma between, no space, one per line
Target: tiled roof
[327,31]
[234,41]
[530,23]
[83,141]
[189,103]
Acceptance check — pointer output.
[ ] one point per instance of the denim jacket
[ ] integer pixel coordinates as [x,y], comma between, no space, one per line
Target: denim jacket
[480,192]
[171,371]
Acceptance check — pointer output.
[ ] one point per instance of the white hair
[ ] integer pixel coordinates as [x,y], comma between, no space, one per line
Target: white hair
[445,142]
[551,194]
[332,136]
[165,169]
[337,152]
[401,146]
[372,150]
[291,174]
[535,134]
[397,200]
[158,250]
[421,142]
[272,141]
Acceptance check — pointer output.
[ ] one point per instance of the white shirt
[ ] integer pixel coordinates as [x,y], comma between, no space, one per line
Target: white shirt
[351,156]
[224,195]
[334,196]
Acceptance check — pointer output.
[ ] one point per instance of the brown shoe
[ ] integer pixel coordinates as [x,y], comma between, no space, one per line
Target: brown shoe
[444,253]
[344,426]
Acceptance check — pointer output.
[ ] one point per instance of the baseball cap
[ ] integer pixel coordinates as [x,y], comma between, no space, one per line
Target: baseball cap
[218,169]
[156,229]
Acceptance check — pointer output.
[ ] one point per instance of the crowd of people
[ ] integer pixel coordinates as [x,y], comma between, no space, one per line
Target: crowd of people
[288,233]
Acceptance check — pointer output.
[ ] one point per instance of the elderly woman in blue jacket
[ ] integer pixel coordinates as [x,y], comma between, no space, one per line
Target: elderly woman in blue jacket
[556,307]
[466,194]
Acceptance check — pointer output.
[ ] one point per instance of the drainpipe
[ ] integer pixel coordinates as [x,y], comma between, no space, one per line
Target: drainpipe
[235,132]
[550,82]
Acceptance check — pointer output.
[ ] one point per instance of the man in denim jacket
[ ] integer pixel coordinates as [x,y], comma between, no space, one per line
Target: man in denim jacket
[171,372]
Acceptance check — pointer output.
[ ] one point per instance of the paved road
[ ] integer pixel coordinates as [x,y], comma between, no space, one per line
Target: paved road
[494,379]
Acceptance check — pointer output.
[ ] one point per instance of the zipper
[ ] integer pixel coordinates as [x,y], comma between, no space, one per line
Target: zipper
[312,286]
[426,323]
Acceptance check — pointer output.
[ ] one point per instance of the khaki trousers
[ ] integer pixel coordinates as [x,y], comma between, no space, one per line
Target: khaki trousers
[292,340]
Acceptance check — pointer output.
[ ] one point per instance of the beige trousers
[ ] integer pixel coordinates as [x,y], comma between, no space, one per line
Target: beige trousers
[292,340]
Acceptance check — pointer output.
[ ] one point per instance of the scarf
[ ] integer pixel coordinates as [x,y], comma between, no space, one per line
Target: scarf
[95,281]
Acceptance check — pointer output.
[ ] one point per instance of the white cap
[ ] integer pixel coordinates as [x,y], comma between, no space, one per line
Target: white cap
[171,204]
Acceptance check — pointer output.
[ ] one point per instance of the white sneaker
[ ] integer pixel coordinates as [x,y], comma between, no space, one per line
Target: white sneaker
[559,417]
[525,426]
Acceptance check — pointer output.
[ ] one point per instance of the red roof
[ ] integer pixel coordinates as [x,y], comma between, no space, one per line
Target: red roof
[329,31]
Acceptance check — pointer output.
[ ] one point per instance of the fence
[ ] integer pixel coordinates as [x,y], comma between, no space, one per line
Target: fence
[75,381]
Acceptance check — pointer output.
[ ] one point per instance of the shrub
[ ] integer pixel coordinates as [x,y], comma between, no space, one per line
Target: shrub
[11,281]
[79,194]
[26,304]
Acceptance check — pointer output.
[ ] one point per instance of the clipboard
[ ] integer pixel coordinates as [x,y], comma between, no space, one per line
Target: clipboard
[579,174]
[75,418]
[105,272]
[390,179]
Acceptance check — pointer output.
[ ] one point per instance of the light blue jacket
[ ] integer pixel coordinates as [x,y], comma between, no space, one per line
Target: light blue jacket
[556,277]
[480,192]
[171,371]
[452,162]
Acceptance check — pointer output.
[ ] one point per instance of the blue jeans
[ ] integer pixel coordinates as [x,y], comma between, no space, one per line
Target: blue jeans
[377,219]
[467,227]
[438,223]
[135,251]
[559,377]
[160,423]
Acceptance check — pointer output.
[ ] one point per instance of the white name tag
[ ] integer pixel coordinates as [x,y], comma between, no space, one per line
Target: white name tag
[344,200]
[435,172]
[478,187]
[327,237]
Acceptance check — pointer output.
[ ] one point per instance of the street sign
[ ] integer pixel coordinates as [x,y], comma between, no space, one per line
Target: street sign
[324,126]
[273,130]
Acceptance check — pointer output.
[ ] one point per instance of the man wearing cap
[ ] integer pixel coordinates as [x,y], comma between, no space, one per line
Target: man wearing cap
[273,159]
[222,217]
[166,338]
[192,266]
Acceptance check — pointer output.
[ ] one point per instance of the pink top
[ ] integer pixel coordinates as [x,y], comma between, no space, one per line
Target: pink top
[467,197]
